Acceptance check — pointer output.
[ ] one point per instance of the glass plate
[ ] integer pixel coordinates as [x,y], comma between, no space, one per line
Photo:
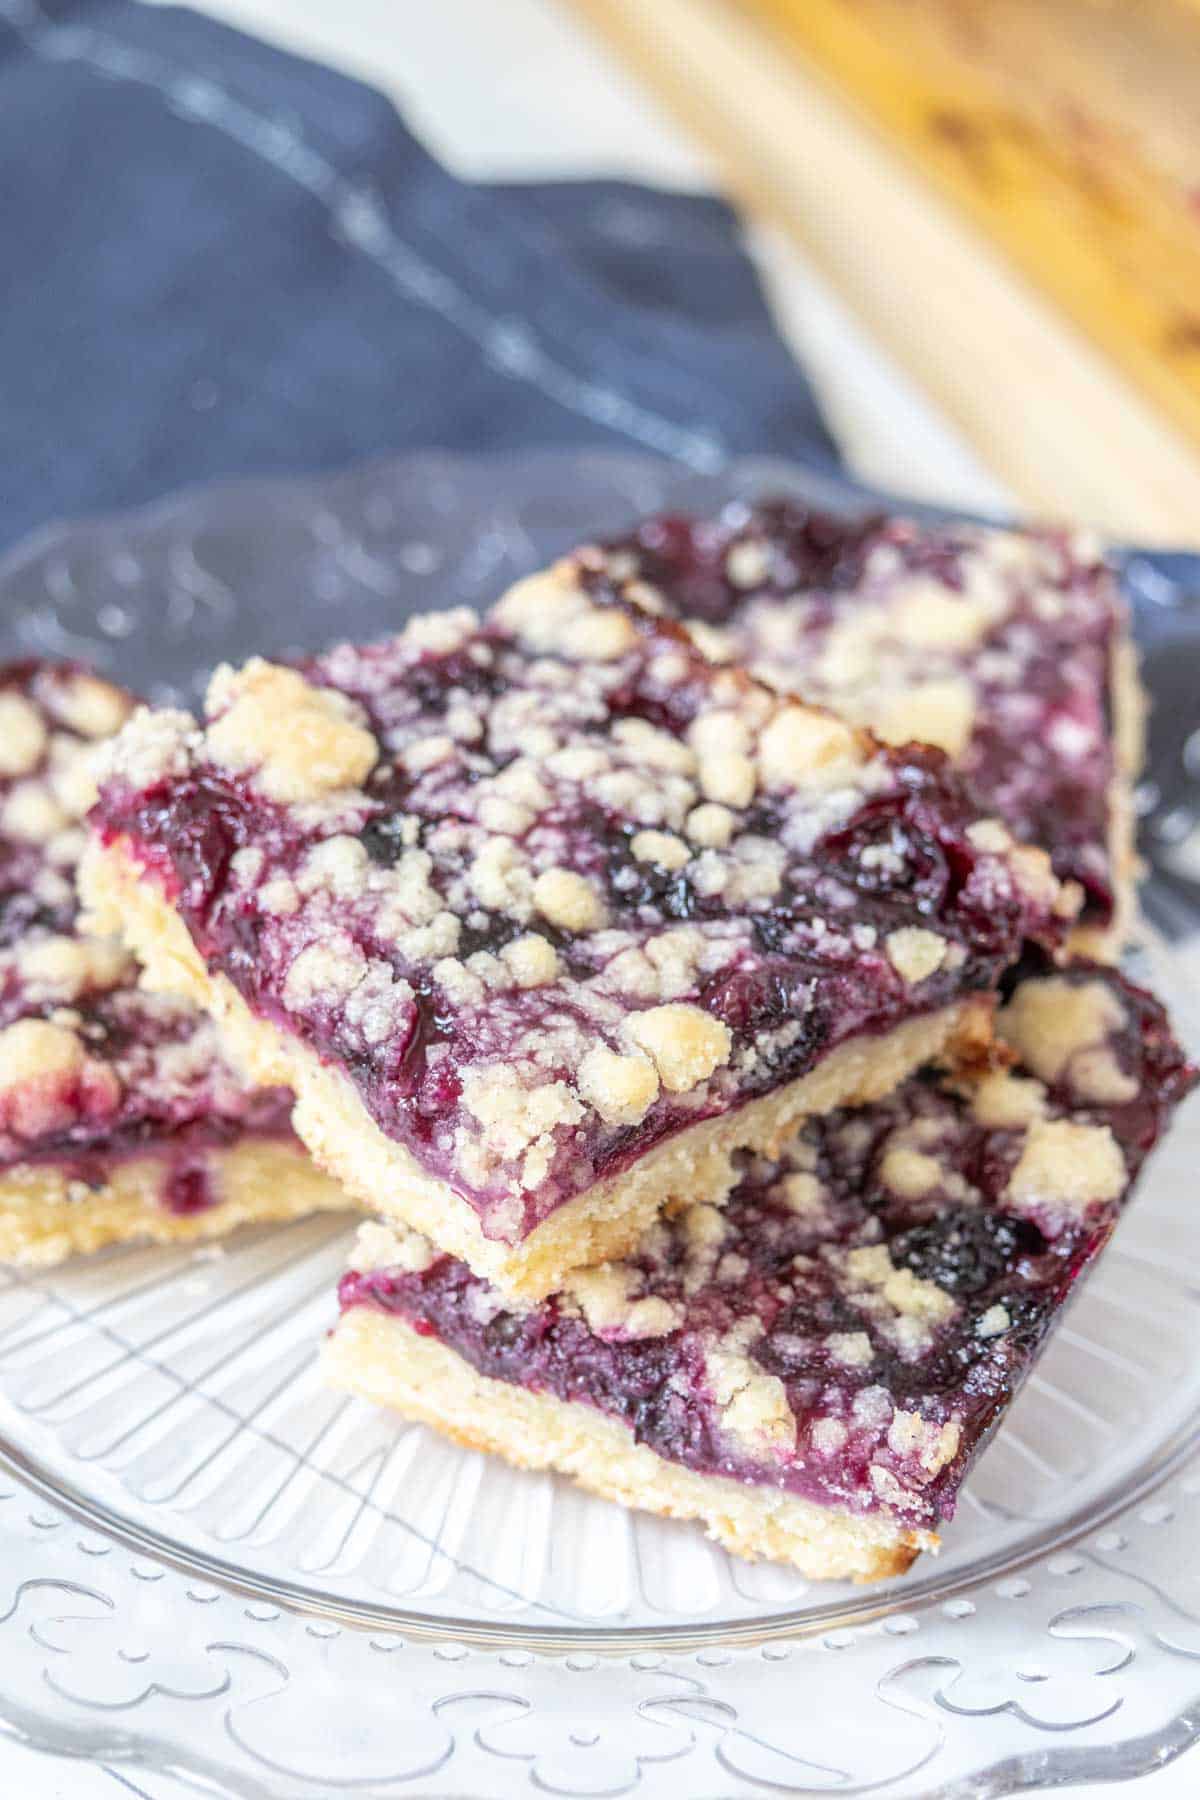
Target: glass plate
[170,1398]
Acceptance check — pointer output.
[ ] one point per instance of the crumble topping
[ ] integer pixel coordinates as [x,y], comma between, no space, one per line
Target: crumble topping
[47,1079]
[931,712]
[1006,1101]
[998,647]
[622,1089]
[915,953]
[909,1308]
[92,1069]
[752,1406]
[908,1172]
[933,1445]
[833,1330]
[531,961]
[568,901]
[299,741]
[661,847]
[683,1042]
[152,747]
[519,1122]
[86,704]
[607,1299]
[800,743]
[60,968]
[36,1050]
[854,1349]
[1061,1029]
[929,618]
[551,887]
[711,826]
[23,735]
[1067,1164]
[32,814]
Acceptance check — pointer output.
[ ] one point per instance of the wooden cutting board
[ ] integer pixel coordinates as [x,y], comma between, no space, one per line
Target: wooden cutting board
[1069,128]
[891,133]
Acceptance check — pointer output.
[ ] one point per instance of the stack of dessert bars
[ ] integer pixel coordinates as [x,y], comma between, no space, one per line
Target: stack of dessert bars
[737,1083]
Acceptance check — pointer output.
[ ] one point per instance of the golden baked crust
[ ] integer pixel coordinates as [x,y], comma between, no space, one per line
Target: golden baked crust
[119,1117]
[391,1365]
[453,872]
[603,1222]
[45,1216]
[1127,699]
[850,1325]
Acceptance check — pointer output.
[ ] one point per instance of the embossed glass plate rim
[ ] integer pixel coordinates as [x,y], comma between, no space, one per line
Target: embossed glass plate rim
[1173,1454]
[302,496]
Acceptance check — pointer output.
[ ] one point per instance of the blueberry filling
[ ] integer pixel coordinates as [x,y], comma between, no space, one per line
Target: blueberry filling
[496,761]
[148,1079]
[890,1399]
[965,1250]
[781,582]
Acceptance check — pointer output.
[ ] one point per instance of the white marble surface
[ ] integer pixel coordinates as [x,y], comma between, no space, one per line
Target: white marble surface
[517,89]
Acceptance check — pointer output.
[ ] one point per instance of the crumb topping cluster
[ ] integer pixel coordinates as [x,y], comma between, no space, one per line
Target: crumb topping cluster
[554,886]
[90,1066]
[852,1322]
[996,646]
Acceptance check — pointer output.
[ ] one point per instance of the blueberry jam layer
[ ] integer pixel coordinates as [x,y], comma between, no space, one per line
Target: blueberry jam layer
[185,1158]
[139,1073]
[92,1069]
[994,645]
[552,888]
[853,1323]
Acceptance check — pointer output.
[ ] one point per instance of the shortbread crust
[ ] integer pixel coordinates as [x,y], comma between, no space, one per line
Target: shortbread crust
[46,1216]
[384,1361]
[543,917]
[606,1220]
[119,1116]
[846,1333]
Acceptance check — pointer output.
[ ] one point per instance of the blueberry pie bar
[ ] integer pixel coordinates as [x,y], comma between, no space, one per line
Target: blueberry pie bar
[810,1370]
[543,918]
[119,1118]
[1009,649]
